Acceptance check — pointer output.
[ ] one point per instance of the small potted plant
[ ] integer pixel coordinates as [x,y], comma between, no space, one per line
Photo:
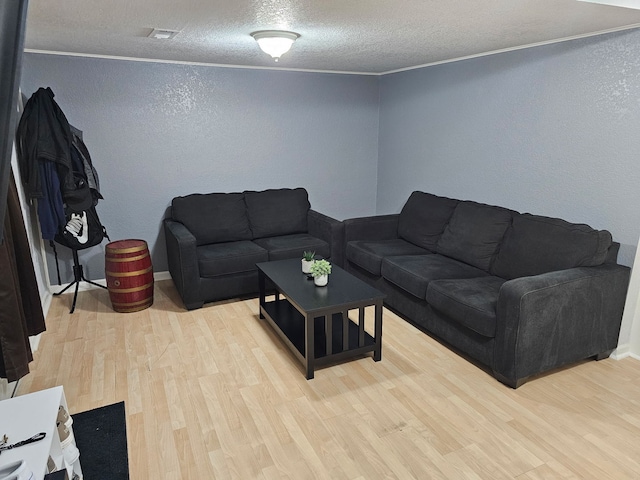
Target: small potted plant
[320,271]
[307,260]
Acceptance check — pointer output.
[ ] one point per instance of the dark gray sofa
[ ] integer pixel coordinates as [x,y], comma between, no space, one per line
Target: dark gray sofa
[520,293]
[215,240]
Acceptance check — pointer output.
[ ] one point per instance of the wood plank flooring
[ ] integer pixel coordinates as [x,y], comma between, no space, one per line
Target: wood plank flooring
[213,394]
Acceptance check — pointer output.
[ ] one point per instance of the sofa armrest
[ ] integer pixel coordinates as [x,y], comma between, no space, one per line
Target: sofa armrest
[183,262]
[376,227]
[330,230]
[557,318]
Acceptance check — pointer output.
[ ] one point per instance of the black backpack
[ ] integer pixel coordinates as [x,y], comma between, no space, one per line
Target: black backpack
[83,230]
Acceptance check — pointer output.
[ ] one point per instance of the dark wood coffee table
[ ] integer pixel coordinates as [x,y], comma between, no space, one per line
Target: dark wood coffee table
[313,321]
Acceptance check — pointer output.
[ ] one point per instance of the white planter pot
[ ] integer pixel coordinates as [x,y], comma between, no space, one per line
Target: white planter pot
[321,281]
[306,265]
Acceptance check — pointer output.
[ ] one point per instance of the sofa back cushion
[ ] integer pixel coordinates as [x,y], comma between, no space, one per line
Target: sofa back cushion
[277,212]
[535,245]
[423,219]
[474,233]
[213,217]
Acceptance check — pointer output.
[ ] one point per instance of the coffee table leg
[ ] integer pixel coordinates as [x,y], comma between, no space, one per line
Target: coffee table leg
[377,354]
[309,350]
[328,330]
[262,293]
[345,331]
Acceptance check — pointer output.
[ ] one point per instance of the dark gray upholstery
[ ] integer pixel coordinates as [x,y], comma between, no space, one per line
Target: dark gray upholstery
[380,227]
[557,318]
[230,257]
[469,301]
[474,233]
[213,217]
[290,246]
[413,273]
[519,293]
[423,219]
[183,262]
[535,245]
[277,212]
[328,230]
[369,255]
[212,245]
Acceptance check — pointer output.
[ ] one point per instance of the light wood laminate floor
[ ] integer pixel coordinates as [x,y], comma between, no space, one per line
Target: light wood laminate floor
[213,394]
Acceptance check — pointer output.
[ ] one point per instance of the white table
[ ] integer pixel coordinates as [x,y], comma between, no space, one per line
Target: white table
[27,415]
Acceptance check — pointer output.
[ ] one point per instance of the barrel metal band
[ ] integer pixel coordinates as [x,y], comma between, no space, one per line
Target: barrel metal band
[128,259]
[130,290]
[129,274]
[133,304]
[139,248]
[131,309]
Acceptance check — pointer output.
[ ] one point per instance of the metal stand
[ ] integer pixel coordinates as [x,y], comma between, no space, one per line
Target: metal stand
[78,276]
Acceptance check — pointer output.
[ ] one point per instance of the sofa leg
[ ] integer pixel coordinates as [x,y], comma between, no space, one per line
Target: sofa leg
[510,382]
[603,355]
[194,306]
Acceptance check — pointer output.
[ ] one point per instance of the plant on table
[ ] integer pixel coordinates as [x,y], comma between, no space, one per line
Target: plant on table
[307,260]
[320,271]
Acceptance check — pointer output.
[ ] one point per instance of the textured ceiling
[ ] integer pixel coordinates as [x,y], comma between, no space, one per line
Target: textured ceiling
[361,36]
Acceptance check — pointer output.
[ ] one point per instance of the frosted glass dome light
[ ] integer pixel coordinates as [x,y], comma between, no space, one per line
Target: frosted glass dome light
[275,42]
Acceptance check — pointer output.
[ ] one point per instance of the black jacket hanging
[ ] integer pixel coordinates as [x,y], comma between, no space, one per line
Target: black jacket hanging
[43,135]
[43,145]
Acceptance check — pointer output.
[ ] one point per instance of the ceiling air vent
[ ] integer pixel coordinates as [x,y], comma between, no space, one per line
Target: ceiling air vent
[161,34]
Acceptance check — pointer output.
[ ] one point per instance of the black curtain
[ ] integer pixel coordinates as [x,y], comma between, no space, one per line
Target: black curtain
[20,307]
[13,19]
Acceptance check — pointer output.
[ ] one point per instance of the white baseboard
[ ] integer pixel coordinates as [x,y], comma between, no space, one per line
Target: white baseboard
[6,388]
[624,351]
[46,303]
[84,286]
[162,276]
[621,351]
[628,355]
[34,341]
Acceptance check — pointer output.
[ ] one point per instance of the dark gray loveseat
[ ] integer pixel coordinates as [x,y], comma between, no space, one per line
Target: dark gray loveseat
[215,240]
[519,293]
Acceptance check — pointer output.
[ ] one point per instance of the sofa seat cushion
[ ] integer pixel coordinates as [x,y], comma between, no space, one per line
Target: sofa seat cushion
[469,301]
[423,219]
[474,233]
[229,258]
[277,212]
[369,254]
[413,273]
[213,217]
[292,246]
[536,245]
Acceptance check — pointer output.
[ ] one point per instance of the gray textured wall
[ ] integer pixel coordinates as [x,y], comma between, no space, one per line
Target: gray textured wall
[552,130]
[156,131]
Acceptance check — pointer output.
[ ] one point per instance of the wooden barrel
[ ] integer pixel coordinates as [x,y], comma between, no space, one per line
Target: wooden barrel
[129,275]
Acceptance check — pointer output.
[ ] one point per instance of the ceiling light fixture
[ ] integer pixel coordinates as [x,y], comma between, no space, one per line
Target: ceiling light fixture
[275,42]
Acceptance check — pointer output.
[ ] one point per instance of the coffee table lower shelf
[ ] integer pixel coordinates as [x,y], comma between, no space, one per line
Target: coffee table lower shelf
[347,338]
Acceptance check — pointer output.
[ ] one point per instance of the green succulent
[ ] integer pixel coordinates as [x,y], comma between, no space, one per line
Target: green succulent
[320,267]
[308,255]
